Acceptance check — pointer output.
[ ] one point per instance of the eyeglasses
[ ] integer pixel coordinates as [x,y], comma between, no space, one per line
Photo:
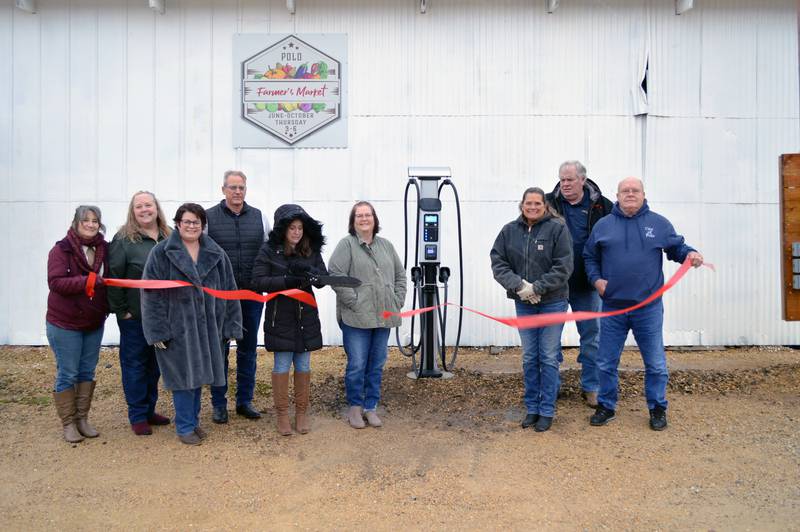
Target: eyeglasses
[368,215]
[191,223]
[630,191]
[235,188]
[90,222]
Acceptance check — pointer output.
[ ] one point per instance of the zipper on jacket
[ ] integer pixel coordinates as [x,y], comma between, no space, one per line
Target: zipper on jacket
[527,251]
[274,312]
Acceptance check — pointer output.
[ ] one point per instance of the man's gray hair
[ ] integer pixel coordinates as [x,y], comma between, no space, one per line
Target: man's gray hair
[233,172]
[579,168]
[82,211]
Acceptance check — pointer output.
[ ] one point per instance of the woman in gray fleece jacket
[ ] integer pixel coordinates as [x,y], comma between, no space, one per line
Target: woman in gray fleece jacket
[532,260]
[373,260]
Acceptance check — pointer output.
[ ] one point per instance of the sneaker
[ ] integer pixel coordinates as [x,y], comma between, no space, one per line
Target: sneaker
[601,416]
[529,421]
[658,418]
[220,415]
[590,398]
[158,419]
[190,439]
[141,428]
[543,424]
[373,419]
[201,433]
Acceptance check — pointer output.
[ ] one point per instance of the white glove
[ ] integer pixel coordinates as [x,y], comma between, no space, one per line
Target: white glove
[534,299]
[525,290]
[160,345]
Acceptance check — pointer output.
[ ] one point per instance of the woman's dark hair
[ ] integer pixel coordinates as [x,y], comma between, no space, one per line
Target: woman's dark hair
[536,190]
[193,208]
[351,226]
[303,248]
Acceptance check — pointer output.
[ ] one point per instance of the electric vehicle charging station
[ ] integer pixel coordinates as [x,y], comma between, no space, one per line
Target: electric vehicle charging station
[427,272]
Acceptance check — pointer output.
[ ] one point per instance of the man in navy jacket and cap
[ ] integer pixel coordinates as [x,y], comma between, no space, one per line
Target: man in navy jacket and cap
[623,257]
[579,200]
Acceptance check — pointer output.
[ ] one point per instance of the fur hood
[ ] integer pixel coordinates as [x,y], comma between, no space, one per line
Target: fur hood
[285,215]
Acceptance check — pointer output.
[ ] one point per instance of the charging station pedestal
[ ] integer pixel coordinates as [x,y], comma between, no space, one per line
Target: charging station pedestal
[427,273]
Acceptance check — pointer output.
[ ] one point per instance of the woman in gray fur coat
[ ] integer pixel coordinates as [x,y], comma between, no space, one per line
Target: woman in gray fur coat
[187,326]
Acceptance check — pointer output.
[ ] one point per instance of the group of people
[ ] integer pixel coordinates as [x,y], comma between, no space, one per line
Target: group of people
[182,335]
[571,247]
[574,247]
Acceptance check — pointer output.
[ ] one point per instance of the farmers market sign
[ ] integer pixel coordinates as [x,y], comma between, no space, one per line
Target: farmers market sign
[291,89]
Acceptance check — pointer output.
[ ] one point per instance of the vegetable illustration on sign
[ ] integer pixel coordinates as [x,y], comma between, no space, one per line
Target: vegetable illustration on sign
[291,89]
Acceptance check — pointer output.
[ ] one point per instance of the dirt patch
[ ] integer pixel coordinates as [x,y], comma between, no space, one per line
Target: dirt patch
[450,456]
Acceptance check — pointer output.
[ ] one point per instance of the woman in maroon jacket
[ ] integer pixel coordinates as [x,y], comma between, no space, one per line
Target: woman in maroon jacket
[75,321]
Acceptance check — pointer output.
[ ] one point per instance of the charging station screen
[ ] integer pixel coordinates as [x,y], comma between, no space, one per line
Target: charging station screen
[430,228]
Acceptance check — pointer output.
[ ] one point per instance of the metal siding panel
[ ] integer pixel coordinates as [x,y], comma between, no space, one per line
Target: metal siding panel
[729,59]
[168,180]
[27,110]
[111,101]
[613,150]
[27,293]
[52,132]
[442,75]
[6,103]
[140,86]
[379,50]
[82,108]
[674,159]
[196,57]
[728,160]
[487,93]
[743,307]
[776,80]
[673,84]
[253,16]
[223,25]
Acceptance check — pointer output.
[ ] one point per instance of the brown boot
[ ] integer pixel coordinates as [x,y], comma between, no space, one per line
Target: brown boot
[302,384]
[65,407]
[83,403]
[280,395]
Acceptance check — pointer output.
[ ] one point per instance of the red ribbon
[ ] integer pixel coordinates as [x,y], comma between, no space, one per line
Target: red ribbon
[294,293]
[543,320]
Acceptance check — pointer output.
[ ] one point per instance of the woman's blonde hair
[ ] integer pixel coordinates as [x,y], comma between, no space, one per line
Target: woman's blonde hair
[131,230]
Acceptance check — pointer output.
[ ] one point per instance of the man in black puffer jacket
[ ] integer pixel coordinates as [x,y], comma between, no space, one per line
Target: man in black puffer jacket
[240,230]
[581,203]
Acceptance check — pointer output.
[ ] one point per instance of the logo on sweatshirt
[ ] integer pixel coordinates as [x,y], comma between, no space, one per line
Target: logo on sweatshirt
[648,232]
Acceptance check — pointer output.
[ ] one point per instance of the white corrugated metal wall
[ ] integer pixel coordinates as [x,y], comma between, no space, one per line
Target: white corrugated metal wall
[100,98]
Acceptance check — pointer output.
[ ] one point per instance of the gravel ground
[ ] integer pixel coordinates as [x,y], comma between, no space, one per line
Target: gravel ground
[450,456]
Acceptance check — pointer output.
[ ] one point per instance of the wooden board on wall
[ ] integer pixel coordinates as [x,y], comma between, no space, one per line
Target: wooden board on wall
[790,228]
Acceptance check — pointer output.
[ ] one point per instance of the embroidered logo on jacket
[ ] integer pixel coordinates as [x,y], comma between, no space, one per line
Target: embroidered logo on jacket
[648,232]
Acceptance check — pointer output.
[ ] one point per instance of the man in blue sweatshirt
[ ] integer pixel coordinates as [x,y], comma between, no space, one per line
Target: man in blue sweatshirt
[623,258]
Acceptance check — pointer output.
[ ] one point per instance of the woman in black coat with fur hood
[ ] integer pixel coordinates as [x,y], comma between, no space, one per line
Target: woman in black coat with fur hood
[291,328]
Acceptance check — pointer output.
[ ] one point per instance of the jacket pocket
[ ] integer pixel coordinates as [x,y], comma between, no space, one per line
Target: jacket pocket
[392,303]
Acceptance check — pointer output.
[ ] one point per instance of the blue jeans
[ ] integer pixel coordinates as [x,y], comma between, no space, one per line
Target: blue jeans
[589,331]
[284,359]
[76,352]
[187,410]
[366,354]
[647,325]
[140,373]
[540,350]
[245,358]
